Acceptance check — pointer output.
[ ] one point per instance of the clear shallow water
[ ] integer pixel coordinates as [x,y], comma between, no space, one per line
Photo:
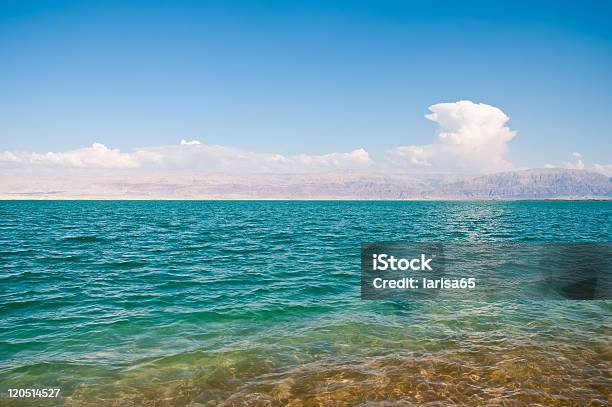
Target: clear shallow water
[257,303]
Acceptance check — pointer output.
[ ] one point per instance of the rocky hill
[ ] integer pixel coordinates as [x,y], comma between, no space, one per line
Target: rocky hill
[530,184]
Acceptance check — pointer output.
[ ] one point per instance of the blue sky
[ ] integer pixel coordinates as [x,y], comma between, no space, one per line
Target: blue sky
[308,77]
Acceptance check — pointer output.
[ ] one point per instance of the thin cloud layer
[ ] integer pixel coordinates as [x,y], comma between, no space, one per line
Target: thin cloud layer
[605,169]
[472,137]
[95,156]
[207,157]
[189,155]
[578,164]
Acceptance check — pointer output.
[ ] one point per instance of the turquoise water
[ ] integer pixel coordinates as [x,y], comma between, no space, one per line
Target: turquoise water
[257,303]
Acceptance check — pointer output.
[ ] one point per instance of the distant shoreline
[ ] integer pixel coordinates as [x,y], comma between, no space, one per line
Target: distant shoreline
[284,199]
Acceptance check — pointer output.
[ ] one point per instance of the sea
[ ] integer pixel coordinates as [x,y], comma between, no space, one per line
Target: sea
[257,303]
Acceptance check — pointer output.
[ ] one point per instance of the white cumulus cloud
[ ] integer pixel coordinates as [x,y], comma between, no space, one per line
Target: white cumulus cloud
[472,137]
[190,143]
[576,164]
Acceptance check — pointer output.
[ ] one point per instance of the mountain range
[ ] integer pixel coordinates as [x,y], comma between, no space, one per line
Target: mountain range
[552,183]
